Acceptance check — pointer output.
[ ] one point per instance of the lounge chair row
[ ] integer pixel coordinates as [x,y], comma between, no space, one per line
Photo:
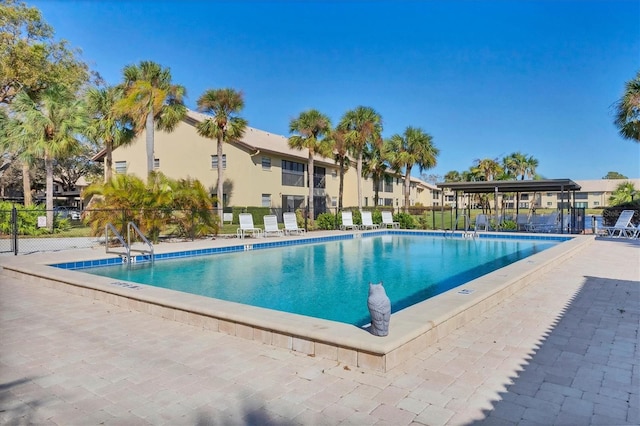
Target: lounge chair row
[367,221]
[536,223]
[271,226]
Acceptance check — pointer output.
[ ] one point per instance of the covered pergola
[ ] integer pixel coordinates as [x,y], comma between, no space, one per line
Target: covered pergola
[565,187]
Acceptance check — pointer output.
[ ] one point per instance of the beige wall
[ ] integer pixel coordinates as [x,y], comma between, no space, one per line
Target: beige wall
[183,153]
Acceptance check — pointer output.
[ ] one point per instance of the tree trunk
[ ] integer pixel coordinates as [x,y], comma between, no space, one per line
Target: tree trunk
[48,166]
[150,143]
[219,191]
[108,167]
[311,186]
[26,184]
[407,188]
[341,186]
[359,171]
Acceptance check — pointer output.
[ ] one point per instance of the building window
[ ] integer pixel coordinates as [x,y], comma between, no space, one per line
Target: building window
[334,174]
[266,163]
[319,177]
[334,201]
[549,204]
[292,173]
[121,167]
[156,163]
[214,161]
[596,203]
[266,200]
[524,197]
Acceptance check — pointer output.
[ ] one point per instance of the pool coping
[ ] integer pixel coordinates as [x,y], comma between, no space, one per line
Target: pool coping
[411,330]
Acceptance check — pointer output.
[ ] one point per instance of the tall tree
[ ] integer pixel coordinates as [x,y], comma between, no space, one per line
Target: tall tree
[532,165]
[375,165]
[341,157]
[50,127]
[225,125]
[453,176]
[515,164]
[361,125]
[614,175]
[151,98]
[627,117]
[488,168]
[310,131]
[30,59]
[413,148]
[18,149]
[106,127]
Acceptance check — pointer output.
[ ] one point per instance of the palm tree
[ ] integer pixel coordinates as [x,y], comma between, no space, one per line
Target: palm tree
[375,165]
[625,193]
[225,125]
[341,157]
[488,168]
[515,164]
[361,125]
[18,147]
[413,148]
[628,110]
[311,128]
[106,127]
[453,176]
[50,129]
[530,167]
[150,98]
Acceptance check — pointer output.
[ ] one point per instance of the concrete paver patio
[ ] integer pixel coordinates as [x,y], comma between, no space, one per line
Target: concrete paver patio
[564,350]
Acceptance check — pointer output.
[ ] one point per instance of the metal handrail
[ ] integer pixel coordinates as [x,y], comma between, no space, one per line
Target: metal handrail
[119,237]
[133,226]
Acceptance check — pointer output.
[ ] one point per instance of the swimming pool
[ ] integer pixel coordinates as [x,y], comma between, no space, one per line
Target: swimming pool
[329,280]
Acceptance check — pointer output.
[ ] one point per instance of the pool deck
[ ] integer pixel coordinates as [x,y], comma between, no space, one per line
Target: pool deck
[563,349]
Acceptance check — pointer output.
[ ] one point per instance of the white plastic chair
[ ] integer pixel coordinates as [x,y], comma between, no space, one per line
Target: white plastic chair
[347,222]
[291,224]
[367,221]
[246,227]
[387,220]
[271,226]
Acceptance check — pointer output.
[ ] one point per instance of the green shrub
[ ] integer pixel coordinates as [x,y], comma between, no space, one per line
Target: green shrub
[509,225]
[405,219]
[326,221]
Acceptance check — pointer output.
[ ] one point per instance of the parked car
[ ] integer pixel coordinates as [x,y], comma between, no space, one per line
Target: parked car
[65,212]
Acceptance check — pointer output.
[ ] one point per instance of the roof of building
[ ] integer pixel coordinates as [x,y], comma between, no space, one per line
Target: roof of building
[604,185]
[550,185]
[261,141]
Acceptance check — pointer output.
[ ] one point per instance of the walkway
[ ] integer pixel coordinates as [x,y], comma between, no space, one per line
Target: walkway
[562,351]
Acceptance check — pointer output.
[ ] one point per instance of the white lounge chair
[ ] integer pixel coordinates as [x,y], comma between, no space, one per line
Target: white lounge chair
[347,222]
[634,232]
[522,220]
[387,220]
[367,221]
[246,227]
[227,217]
[271,226]
[623,226]
[544,223]
[291,224]
[482,222]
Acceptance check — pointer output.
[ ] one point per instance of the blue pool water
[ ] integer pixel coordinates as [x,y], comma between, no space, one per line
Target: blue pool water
[331,280]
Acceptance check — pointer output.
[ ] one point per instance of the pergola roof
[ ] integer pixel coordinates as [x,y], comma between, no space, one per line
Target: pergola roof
[547,185]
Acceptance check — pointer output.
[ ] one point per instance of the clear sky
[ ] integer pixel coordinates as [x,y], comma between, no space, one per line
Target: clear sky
[483,78]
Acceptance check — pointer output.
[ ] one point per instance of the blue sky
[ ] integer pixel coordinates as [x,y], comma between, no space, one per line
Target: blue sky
[483,78]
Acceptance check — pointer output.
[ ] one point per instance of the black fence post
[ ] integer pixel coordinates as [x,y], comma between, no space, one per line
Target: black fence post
[14,230]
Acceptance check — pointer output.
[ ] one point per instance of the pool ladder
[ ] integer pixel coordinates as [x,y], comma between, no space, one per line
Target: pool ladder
[466,233]
[126,257]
